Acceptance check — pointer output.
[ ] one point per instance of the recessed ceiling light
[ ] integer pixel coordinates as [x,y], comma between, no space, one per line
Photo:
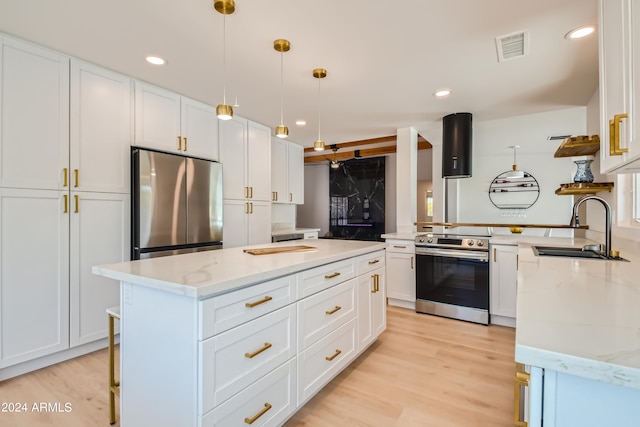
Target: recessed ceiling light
[301,122]
[580,32]
[441,93]
[155,60]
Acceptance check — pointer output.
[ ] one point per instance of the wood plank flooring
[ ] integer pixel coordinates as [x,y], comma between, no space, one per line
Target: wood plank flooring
[422,371]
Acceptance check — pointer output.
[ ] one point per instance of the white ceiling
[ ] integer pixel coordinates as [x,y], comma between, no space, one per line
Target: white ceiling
[384,58]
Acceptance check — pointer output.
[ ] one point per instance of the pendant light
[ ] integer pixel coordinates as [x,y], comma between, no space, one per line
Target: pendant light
[319,73]
[515,173]
[225,7]
[282,45]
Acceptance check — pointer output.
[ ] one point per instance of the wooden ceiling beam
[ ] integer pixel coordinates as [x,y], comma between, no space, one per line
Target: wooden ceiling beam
[380,140]
[367,152]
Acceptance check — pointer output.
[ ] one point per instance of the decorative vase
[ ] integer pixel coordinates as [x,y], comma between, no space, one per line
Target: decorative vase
[583,174]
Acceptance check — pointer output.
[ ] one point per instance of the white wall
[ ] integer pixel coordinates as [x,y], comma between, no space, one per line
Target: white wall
[314,213]
[390,194]
[491,157]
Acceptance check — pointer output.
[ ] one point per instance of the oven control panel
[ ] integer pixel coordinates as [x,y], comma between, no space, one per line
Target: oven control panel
[453,241]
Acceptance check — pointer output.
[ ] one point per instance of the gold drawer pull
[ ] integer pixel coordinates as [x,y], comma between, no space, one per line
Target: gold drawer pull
[375,261]
[179,143]
[257,352]
[185,143]
[330,358]
[412,263]
[65,176]
[66,203]
[246,192]
[334,310]
[291,197]
[76,199]
[331,276]
[400,246]
[253,419]
[262,301]
[521,380]
[76,173]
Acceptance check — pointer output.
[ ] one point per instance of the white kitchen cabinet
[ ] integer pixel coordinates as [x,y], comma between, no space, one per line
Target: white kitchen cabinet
[99,234]
[34,285]
[34,127]
[100,129]
[167,121]
[287,168]
[245,153]
[503,284]
[372,311]
[619,36]
[401,273]
[246,223]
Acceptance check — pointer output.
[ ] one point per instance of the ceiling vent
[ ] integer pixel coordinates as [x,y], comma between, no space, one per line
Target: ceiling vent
[512,45]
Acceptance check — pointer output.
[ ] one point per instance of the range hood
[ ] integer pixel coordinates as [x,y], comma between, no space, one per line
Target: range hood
[456,145]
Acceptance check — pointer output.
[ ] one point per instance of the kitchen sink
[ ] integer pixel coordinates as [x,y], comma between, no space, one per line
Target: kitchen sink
[571,253]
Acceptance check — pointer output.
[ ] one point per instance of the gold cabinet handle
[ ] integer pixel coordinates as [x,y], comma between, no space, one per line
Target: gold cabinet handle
[246,192]
[246,207]
[376,283]
[400,246]
[76,199]
[521,380]
[66,203]
[65,177]
[251,192]
[333,311]
[412,262]
[75,171]
[616,150]
[333,356]
[291,197]
[274,196]
[179,143]
[250,207]
[185,143]
[375,261]
[257,352]
[253,419]
[494,254]
[331,276]
[612,138]
[262,301]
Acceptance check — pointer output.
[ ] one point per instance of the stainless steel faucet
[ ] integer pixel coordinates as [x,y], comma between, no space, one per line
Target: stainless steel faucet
[575,220]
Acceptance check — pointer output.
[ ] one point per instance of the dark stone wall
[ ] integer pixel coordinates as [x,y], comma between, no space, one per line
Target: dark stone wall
[356,193]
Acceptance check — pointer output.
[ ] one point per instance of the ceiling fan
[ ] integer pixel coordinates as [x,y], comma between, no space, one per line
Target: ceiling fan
[333,162]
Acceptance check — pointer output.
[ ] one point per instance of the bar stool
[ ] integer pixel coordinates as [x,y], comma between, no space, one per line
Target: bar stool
[114,386]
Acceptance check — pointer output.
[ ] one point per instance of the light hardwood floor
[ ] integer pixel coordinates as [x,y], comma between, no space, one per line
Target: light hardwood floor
[422,371]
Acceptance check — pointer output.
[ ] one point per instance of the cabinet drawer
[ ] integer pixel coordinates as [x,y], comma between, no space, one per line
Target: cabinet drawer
[233,360]
[325,276]
[269,401]
[370,262]
[324,312]
[311,235]
[402,246]
[318,364]
[223,312]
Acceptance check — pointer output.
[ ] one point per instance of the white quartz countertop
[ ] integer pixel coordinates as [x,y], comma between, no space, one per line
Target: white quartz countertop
[579,316]
[401,236]
[209,273]
[280,232]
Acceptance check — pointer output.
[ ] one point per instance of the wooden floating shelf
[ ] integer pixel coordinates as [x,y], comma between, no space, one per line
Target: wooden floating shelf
[578,146]
[583,188]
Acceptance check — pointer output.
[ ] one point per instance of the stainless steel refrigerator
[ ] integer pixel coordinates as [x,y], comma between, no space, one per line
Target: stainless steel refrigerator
[176,204]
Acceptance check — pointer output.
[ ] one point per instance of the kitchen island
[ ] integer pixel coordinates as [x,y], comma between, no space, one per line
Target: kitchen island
[225,337]
[578,329]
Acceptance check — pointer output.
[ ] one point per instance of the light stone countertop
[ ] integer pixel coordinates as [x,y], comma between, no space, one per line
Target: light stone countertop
[209,273]
[401,236]
[281,231]
[579,316]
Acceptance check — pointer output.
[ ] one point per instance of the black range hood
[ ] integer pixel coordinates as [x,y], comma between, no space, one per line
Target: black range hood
[456,145]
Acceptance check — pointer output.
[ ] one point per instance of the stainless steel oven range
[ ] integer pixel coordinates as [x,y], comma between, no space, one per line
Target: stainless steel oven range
[452,276]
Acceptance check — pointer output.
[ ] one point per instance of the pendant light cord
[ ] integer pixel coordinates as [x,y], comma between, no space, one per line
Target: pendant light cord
[281,88]
[319,139]
[224,59]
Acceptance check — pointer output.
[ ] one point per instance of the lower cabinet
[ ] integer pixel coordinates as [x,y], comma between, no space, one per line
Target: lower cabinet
[401,273]
[50,300]
[503,284]
[251,356]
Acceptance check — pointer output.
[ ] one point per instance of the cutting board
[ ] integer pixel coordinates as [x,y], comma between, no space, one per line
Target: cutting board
[278,250]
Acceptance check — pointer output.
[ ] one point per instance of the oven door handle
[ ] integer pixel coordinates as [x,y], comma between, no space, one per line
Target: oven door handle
[477,255]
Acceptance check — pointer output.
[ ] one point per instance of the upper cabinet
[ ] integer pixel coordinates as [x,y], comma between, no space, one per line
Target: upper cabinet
[287,167]
[619,29]
[169,122]
[101,129]
[245,153]
[34,116]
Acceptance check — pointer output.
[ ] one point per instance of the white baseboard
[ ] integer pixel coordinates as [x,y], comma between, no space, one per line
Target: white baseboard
[401,303]
[502,321]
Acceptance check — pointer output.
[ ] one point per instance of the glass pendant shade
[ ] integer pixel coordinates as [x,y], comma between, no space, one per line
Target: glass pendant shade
[318,145]
[282,131]
[224,112]
[335,165]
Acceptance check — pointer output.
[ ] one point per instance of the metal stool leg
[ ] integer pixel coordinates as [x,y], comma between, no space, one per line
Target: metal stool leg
[114,386]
